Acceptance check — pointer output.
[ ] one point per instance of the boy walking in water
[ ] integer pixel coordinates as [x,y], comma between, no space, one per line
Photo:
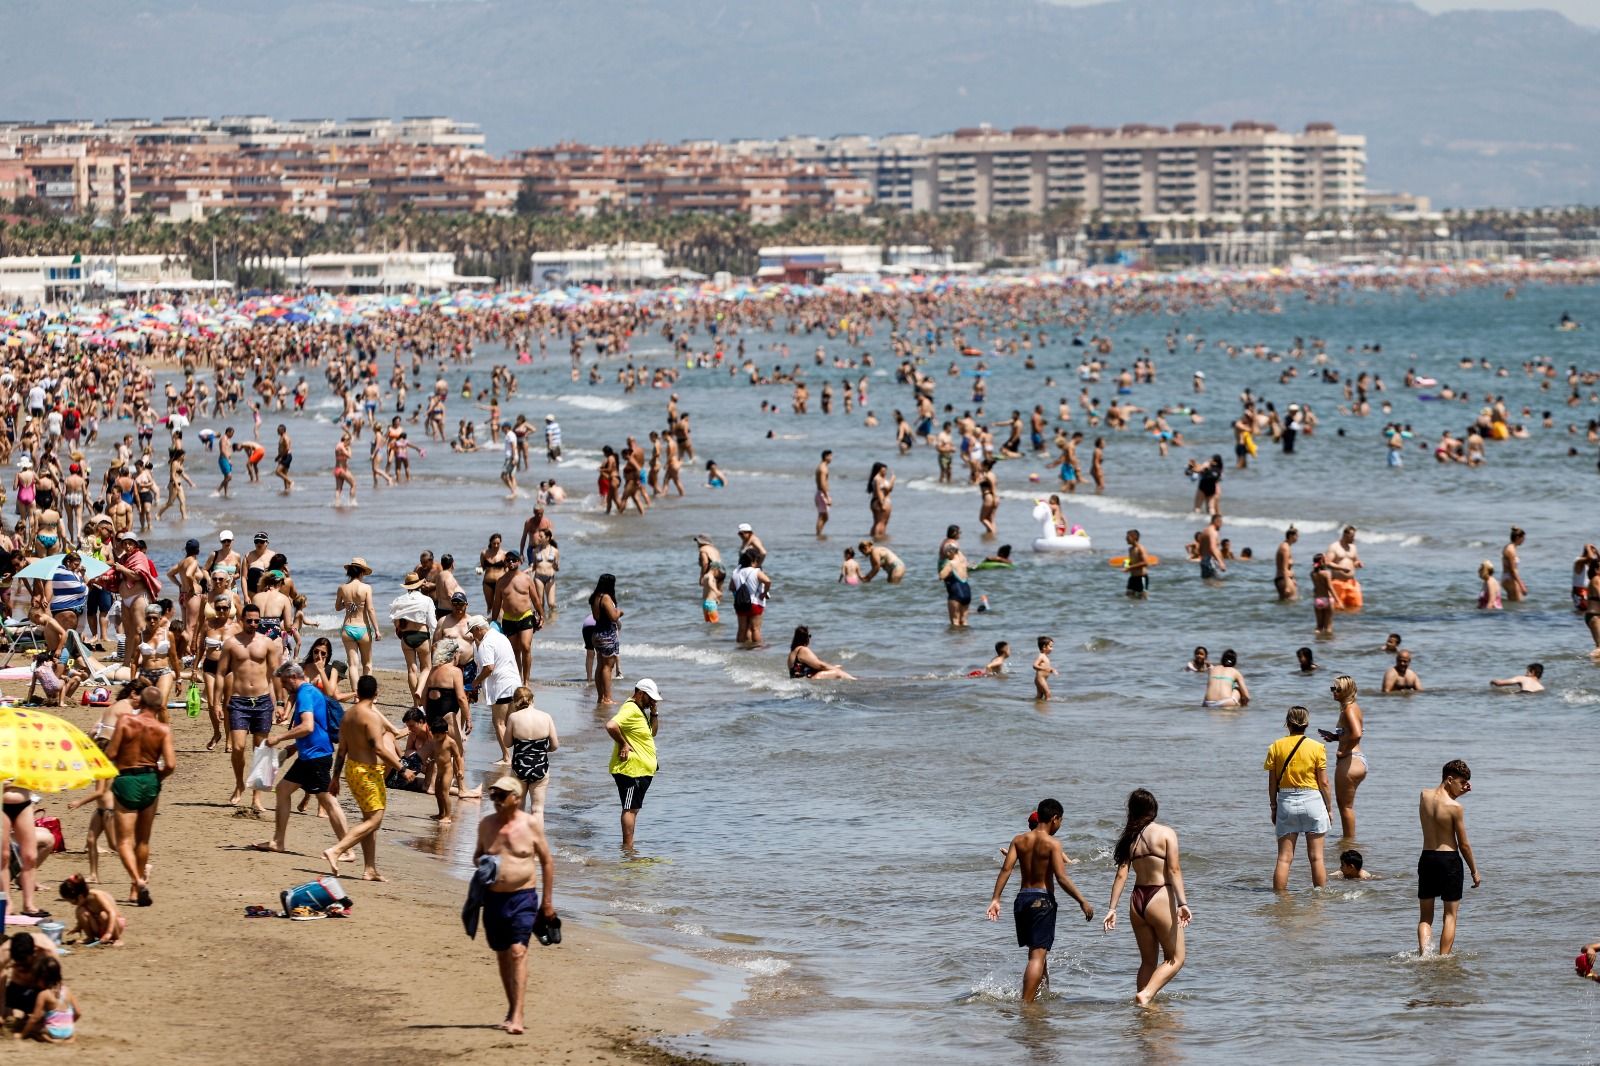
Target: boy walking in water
[1035,907]
[1042,670]
[1444,845]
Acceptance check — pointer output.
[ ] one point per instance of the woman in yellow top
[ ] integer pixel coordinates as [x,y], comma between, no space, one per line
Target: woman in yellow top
[1297,787]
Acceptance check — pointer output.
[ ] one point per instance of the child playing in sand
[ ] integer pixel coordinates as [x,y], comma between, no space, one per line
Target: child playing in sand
[52,687]
[850,570]
[99,921]
[1042,670]
[55,1013]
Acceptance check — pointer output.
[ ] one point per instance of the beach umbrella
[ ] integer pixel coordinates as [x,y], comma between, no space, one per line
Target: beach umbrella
[42,753]
[45,569]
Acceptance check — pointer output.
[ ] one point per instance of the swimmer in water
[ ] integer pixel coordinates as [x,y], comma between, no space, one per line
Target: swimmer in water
[1524,682]
[1225,687]
[996,667]
[714,478]
[1042,670]
[850,570]
[804,665]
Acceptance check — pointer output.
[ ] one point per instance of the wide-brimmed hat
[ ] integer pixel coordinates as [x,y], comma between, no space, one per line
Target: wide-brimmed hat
[411,581]
[360,564]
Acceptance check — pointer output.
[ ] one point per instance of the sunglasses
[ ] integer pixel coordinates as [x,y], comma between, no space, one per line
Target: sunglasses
[498,794]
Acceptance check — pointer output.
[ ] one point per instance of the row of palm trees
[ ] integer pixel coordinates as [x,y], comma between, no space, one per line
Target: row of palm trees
[499,245]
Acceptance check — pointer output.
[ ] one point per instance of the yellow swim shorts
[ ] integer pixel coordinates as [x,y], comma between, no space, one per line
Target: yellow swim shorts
[366,786]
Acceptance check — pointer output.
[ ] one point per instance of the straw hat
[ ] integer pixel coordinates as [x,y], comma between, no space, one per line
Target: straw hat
[360,564]
[412,581]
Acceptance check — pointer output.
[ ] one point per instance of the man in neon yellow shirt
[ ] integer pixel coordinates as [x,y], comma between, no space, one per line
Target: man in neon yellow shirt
[633,757]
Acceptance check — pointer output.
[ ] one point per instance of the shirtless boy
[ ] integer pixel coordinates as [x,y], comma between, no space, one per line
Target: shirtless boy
[1034,909]
[1042,670]
[1444,846]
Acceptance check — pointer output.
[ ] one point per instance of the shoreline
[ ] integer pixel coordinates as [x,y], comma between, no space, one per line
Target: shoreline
[396,978]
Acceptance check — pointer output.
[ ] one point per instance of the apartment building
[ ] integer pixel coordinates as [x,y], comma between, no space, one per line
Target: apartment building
[245,131]
[1191,169]
[73,179]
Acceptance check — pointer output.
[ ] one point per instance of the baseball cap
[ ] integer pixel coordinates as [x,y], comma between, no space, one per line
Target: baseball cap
[745,527]
[128,536]
[549,418]
[476,621]
[507,783]
[226,534]
[192,545]
[261,537]
[458,597]
[648,687]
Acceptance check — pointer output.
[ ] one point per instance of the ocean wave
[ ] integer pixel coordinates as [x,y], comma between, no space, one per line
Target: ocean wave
[1579,699]
[602,404]
[763,966]
[675,652]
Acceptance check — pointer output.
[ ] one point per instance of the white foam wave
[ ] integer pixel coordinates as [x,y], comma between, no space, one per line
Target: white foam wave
[764,966]
[689,928]
[1579,699]
[594,403]
[675,652]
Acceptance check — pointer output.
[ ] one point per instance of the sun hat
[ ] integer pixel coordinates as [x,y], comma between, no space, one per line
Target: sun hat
[412,581]
[360,564]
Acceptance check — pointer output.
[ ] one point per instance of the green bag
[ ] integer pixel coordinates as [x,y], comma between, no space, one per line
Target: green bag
[195,699]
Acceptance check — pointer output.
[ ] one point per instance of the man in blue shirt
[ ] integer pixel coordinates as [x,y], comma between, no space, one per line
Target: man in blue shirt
[314,725]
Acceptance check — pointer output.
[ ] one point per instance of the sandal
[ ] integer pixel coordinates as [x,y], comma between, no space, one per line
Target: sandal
[35,914]
[305,914]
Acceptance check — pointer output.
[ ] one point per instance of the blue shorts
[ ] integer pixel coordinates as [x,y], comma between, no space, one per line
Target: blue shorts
[225,465]
[1069,472]
[508,917]
[1035,914]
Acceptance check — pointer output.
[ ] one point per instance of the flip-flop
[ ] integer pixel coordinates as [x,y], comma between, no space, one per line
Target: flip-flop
[257,911]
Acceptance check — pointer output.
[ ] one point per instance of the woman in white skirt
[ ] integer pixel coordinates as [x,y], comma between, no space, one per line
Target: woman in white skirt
[1297,788]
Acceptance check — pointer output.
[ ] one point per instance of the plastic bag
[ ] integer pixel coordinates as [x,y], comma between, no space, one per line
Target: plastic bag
[263,775]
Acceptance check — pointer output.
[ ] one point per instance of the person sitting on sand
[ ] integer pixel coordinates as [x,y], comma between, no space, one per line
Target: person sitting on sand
[1527,682]
[99,921]
[55,1013]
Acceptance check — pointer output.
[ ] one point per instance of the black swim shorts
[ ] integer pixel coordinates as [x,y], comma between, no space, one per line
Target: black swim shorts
[631,790]
[313,775]
[1035,914]
[1440,875]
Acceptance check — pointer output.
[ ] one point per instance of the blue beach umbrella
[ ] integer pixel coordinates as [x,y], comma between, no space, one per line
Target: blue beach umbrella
[45,569]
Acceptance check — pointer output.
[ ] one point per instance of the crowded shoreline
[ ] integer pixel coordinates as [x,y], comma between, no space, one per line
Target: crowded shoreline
[632,482]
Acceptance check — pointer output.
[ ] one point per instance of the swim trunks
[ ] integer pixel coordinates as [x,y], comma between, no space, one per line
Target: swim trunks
[1209,570]
[508,918]
[822,503]
[958,590]
[225,465]
[512,626]
[1138,584]
[1440,875]
[366,786]
[313,775]
[631,790]
[250,714]
[139,787]
[1035,913]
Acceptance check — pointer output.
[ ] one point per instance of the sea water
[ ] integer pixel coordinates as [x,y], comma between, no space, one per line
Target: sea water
[837,843]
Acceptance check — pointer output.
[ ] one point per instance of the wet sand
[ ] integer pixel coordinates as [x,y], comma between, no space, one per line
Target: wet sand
[396,981]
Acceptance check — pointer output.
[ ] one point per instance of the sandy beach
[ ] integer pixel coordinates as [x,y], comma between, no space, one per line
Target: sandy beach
[396,981]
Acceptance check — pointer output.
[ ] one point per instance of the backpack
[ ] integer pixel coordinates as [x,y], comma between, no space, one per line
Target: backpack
[741,592]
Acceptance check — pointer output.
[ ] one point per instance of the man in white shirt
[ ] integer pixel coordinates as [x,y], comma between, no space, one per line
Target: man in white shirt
[498,675]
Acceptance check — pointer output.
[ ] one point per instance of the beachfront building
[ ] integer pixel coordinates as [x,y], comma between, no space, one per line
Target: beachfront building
[1192,169]
[813,263]
[244,131]
[630,263]
[72,179]
[34,279]
[374,272]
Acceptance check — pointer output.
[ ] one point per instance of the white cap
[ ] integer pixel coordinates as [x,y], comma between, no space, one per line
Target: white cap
[745,527]
[477,621]
[226,534]
[648,687]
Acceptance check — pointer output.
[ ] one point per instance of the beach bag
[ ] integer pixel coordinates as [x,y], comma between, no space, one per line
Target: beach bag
[741,594]
[263,775]
[319,895]
[194,700]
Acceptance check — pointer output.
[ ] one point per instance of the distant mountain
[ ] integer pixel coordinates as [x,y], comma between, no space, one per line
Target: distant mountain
[1469,107]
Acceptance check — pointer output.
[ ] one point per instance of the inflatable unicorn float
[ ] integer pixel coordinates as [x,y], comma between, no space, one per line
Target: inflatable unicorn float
[1050,540]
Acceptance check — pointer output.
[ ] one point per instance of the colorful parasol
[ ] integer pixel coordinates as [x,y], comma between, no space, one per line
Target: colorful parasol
[42,753]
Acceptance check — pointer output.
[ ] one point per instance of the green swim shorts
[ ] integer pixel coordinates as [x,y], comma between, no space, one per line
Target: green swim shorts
[136,789]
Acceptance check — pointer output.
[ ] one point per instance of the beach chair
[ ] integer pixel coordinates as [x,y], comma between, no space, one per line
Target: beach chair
[19,634]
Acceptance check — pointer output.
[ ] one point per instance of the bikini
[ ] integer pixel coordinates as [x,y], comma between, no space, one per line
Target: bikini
[1142,894]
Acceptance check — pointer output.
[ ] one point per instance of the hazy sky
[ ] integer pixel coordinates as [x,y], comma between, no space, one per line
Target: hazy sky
[1584,11]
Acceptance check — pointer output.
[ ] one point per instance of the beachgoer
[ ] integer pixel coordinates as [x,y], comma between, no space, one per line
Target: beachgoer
[512,911]
[1530,681]
[823,499]
[141,748]
[1225,685]
[247,666]
[1283,578]
[1350,768]
[804,663]
[633,732]
[1343,560]
[1157,909]
[1042,670]
[365,749]
[315,722]
[1444,846]
[498,676]
[1400,677]
[1297,791]
[1034,910]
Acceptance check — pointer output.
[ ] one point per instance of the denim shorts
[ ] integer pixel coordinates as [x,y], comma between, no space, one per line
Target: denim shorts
[1301,810]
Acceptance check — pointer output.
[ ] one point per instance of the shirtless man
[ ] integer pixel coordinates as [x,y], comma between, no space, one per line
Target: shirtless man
[1283,580]
[823,499]
[1400,677]
[1526,682]
[284,458]
[1035,907]
[1510,567]
[1444,846]
[511,901]
[225,450]
[1137,568]
[1209,544]
[248,663]
[1344,561]
[515,601]
[366,748]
